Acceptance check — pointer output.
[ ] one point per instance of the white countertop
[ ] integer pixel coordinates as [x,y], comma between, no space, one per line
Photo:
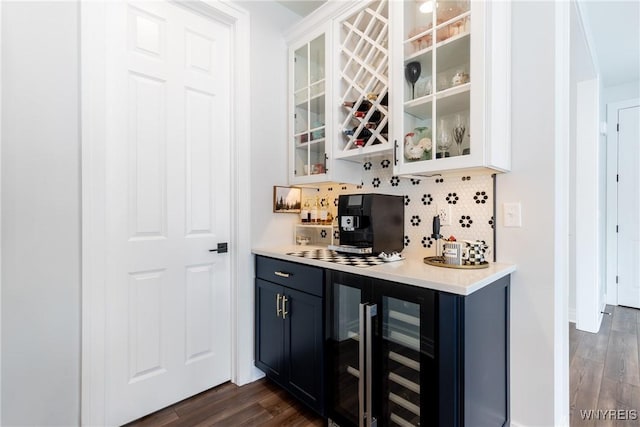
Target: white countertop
[412,271]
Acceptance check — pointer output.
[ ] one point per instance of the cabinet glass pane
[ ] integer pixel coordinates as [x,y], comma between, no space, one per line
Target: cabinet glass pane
[316,60]
[301,158]
[418,108]
[452,126]
[301,68]
[418,19]
[316,112]
[344,350]
[447,10]
[401,353]
[452,63]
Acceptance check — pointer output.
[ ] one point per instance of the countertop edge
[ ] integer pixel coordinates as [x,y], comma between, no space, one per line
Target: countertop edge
[388,271]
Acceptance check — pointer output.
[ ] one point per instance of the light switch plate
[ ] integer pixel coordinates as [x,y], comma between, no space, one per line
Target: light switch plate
[512,214]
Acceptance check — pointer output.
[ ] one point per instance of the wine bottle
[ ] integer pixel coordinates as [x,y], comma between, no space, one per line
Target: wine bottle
[304,212]
[323,210]
[374,119]
[384,101]
[362,108]
[364,105]
[385,131]
[314,211]
[361,137]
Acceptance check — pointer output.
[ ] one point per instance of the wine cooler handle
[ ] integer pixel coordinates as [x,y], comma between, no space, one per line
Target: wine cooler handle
[371,311]
[361,368]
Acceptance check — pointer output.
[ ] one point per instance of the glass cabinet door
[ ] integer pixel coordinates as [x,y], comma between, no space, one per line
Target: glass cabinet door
[437,82]
[309,108]
[408,363]
[343,346]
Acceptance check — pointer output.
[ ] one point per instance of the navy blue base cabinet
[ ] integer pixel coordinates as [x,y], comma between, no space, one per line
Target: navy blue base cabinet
[368,352]
[430,358]
[289,329]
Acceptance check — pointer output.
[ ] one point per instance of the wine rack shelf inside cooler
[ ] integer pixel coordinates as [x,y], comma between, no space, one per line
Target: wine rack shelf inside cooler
[364,64]
[403,384]
[402,340]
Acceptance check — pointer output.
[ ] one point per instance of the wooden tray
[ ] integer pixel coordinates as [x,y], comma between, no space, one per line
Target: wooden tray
[438,261]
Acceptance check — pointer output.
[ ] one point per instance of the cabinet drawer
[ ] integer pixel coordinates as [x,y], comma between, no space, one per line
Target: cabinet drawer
[290,274]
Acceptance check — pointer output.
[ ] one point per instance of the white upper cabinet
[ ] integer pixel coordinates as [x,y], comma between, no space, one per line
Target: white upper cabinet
[450,92]
[424,81]
[310,118]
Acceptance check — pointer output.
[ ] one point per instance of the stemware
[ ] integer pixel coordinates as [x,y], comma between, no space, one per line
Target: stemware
[458,132]
[444,139]
[412,74]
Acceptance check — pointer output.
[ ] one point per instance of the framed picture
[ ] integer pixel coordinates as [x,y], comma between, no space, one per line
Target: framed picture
[286,199]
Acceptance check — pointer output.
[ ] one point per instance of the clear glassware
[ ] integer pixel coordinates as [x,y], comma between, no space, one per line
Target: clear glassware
[458,132]
[444,139]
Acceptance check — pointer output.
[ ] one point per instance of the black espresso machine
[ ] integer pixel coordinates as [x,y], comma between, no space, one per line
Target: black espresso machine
[370,223]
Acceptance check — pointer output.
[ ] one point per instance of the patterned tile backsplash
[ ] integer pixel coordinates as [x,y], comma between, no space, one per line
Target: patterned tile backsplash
[469,196]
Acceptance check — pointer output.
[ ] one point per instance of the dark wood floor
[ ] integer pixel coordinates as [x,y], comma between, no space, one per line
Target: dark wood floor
[260,403]
[605,368]
[604,374]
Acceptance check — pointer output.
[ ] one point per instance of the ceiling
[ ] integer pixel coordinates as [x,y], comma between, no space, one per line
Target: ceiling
[613,27]
[302,7]
[614,30]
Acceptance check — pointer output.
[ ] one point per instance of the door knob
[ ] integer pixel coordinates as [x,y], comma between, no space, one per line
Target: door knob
[222,248]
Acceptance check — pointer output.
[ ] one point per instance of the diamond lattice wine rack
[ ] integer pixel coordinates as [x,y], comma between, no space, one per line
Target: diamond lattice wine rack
[363,116]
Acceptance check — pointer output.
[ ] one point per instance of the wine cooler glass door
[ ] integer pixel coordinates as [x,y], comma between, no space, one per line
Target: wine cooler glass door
[408,379]
[401,344]
[344,353]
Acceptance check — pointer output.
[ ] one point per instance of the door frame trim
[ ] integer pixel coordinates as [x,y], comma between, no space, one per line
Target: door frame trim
[93,101]
[612,195]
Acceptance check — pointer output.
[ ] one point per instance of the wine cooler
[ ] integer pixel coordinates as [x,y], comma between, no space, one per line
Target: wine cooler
[381,351]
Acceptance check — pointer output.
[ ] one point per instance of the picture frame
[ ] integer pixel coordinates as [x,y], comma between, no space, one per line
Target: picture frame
[287,199]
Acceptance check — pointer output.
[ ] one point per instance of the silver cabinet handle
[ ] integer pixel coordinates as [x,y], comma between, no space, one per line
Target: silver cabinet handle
[361,370]
[278,309]
[281,274]
[284,307]
[371,311]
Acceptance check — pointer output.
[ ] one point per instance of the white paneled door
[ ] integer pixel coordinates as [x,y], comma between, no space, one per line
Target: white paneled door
[629,207]
[168,204]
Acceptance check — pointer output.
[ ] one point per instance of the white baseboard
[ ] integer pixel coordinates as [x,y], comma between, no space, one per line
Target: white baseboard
[572,315]
[255,375]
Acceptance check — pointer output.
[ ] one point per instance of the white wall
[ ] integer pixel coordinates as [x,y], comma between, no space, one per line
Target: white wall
[268,157]
[532,182]
[630,90]
[41,214]
[581,69]
[586,220]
